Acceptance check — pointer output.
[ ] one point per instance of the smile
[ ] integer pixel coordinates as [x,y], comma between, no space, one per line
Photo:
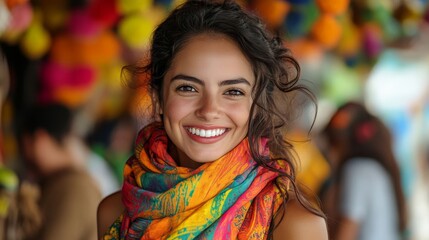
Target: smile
[206,132]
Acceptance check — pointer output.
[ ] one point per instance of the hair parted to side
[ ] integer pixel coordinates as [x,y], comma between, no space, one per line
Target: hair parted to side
[276,71]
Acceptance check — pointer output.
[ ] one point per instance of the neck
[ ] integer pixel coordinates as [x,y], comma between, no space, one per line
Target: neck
[182,159]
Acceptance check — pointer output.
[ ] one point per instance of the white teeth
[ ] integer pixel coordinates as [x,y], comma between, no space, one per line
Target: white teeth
[207,133]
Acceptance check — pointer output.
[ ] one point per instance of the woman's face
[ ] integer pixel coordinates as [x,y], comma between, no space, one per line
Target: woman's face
[207,99]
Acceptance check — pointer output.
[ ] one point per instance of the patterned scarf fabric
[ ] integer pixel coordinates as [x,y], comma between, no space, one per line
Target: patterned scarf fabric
[230,198]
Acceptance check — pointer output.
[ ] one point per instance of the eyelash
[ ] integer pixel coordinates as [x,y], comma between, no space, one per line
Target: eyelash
[236,92]
[186,88]
[229,92]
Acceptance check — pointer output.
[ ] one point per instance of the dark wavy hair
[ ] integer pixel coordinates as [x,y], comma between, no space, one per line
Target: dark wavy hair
[361,134]
[276,73]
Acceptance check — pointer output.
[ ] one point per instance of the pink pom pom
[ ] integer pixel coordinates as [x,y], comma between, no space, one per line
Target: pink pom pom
[21,17]
[82,76]
[69,85]
[372,40]
[81,24]
[55,75]
[104,12]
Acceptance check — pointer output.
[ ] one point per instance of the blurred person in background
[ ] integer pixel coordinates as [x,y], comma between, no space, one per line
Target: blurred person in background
[19,214]
[364,199]
[113,140]
[69,195]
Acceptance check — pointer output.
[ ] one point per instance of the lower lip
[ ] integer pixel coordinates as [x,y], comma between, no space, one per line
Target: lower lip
[205,140]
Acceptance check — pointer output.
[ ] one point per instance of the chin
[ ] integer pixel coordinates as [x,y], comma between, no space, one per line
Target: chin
[204,158]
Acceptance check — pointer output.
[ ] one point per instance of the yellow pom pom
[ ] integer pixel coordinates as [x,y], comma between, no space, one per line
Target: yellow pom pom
[136,30]
[129,6]
[36,41]
[350,42]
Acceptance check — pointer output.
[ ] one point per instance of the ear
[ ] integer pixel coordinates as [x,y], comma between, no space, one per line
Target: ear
[157,104]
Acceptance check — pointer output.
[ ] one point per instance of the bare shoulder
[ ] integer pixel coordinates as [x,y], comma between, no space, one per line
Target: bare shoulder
[299,223]
[109,209]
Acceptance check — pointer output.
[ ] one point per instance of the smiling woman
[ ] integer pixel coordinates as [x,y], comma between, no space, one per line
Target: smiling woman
[206,91]
[213,164]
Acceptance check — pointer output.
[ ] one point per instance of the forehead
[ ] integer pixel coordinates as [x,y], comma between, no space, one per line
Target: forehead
[209,56]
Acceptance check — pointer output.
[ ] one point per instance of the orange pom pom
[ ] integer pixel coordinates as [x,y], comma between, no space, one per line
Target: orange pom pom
[12,3]
[273,12]
[327,31]
[72,97]
[335,7]
[303,48]
[97,51]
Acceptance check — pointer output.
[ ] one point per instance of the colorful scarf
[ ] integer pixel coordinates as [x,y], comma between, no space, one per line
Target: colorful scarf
[230,198]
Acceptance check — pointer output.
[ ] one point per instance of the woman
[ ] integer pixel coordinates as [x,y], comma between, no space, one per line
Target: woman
[213,165]
[366,198]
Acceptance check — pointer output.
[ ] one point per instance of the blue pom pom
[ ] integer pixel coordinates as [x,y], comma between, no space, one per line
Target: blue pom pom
[164,2]
[294,24]
[299,2]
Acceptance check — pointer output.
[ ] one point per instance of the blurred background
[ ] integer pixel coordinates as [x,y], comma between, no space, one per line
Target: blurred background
[72,51]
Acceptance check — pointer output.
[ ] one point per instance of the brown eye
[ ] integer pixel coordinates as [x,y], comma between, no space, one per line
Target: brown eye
[234,92]
[186,88]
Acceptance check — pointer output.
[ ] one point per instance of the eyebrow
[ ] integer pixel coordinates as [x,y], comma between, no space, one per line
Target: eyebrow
[201,82]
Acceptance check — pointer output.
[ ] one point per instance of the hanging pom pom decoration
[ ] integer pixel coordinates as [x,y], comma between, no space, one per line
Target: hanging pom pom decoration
[22,16]
[112,86]
[135,30]
[299,2]
[95,51]
[12,3]
[334,7]
[305,49]
[350,42]
[294,24]
[300,19]
[327,31]
[166,3]
[272,12]
[82,25]
[372,40]
[104,12]
[69,85]
[132,6]
[20,19]
[55,75]
[36,40]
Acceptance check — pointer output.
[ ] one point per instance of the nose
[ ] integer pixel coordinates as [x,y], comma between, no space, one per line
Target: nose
[209,108]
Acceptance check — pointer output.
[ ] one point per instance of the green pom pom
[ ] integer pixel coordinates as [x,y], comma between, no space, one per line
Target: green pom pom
[8,179]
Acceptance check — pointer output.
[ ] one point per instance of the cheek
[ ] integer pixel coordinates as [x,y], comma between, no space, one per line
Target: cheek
[176,109]
[239,113]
